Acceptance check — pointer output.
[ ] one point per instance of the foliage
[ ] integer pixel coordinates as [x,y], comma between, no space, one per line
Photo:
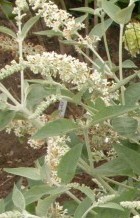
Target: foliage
[102,142]
[6,7]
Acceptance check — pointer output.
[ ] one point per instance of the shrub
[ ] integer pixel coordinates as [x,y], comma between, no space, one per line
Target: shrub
[109,119]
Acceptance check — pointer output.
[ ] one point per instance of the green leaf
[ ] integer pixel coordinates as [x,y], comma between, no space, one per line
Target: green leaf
[82,207]
[114,1]
[124,16]
[116,167]
[135,0]
[18,198]
[81,18]
[110,8]
[77,97]
[128,64]
[99,103]
[130,156]
[68,163]
[2,206]
[126,195]
[85,190]
[43,205]
[115,13]
[70,206]
[28,25]
[111,205]
[37,192]
[84,9]
[99,30]
[132,145]
[123,1]
[7,31]
[5,118]
[7,8]
[44,172]
[112,213]
[97,12]
[28,172]
[3,99]
[123,82]
[132,94]
[125,125]
[36,94]
[55,128]
[112,111]
[48,33]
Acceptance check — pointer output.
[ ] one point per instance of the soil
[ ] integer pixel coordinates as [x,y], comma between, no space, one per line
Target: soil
[14,154]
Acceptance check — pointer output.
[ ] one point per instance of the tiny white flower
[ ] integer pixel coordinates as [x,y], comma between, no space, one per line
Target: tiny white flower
[106,140]
[55,18]
[105,199]
[56,149]
[130,204]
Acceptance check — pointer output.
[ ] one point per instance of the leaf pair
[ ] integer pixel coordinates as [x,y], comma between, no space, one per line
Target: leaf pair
[126,164]
[120,16]
[27,26]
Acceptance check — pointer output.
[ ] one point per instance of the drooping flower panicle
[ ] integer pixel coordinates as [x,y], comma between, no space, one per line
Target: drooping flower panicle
[55,18]
[56,149]
[131,204]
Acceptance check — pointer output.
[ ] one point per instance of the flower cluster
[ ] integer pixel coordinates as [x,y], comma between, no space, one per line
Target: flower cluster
[17,214]
[18,11]
[21,4]
[132,38]
[102,136]
[35,144]
[23,128]
[101,87]
[31,49]
[100,82]
[20,128]
[98,155]
[56,210]
[106,198]
[69,69]
[37,3]
[88,41]
[56,149]
[44,105]
[111,153]
[55,18]
[130,204]
[9,44]
[10,69]
[11,214]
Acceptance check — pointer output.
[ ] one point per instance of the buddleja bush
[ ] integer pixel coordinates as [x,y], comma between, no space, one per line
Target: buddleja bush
[103,142]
